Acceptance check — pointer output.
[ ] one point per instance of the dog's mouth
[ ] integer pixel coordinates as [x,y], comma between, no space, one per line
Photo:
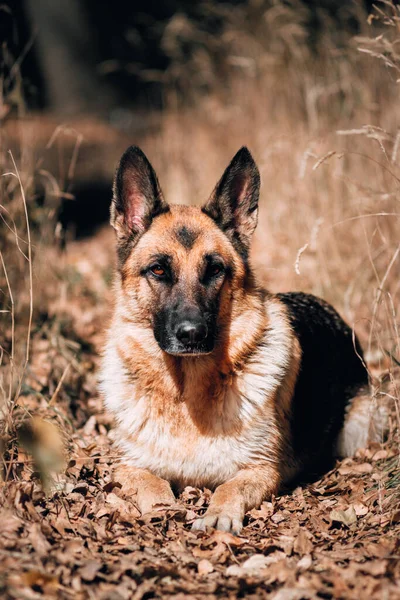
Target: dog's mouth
[174,347]
[189,352]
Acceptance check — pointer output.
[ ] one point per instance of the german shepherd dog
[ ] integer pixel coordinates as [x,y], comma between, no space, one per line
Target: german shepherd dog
[213,380]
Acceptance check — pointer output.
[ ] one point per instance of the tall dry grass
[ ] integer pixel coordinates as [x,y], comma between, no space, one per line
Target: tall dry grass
[318,108]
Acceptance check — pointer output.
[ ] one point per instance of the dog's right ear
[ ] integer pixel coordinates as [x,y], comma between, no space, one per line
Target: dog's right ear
[137,196]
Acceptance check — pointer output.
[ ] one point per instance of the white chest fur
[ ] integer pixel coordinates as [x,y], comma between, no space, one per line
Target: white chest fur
[242,431]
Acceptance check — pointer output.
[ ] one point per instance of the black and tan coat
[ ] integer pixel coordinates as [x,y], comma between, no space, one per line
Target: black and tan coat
[214,381]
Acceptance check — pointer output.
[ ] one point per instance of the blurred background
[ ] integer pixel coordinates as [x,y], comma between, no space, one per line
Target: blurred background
[81,56]
[311,87]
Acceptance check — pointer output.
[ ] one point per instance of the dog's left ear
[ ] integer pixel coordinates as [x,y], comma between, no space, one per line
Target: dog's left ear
[233,205]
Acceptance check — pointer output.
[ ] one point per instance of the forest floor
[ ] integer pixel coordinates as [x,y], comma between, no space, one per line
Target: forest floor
[320,113]
[336,538]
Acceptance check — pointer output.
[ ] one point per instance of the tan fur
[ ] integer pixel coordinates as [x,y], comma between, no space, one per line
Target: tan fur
[201,365]
[214,420]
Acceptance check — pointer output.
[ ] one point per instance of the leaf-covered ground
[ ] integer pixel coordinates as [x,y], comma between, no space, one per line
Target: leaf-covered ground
[335,538]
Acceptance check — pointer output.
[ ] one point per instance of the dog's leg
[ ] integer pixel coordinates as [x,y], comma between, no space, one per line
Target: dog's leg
[149,489]
[235,497]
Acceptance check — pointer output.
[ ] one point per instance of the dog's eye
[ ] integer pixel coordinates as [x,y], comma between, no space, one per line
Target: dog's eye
[215,270]
[157,270]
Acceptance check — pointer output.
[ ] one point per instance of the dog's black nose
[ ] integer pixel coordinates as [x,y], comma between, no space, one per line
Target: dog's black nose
[191,333]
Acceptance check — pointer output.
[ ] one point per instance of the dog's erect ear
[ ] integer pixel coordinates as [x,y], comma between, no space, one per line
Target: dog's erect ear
[233,205]
[137,196]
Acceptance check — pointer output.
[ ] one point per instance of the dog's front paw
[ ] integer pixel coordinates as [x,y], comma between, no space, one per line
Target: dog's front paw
[223,518]
[157,495]
[150,491]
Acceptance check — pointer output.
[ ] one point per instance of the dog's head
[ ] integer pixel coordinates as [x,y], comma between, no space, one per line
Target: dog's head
[181,267]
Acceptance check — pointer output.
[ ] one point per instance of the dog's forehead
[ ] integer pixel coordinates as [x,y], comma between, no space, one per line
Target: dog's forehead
[187,228]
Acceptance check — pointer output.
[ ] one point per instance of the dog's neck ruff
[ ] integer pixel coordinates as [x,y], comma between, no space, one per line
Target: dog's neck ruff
[202,383]
[183,427]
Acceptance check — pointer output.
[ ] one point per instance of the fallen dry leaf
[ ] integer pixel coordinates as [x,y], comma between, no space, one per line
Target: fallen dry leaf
[227,538]
[304,563]
[294,594]
[204,567]
[254,565]
[302,543]
[347,517]
[47,584]
[90,569]
[360,509]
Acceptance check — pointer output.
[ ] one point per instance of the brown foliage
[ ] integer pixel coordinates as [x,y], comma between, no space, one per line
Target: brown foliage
[322,127]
